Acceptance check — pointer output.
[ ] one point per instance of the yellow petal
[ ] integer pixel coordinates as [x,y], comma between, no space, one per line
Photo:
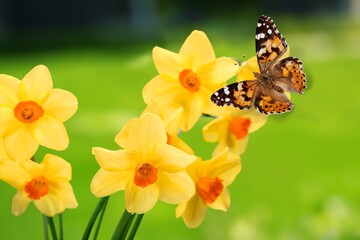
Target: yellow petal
[257,120]
[194,212]
[222,146]
[214,110]
[9,88]
[216,129]
[56,167]
[238,146]
[247,69]
[21,145]
[170,159]
[12,173]
[8,123]
[175,187]
[140,200]
[198,49]
[60,104]
[170,114]
[180,209]
[20,203]
[168,63]
[225,166]
[3,154]
[37,84]
[222,202]
[106,183]
[218,72]
[193,108]
[160,90]
[112,160]
[63,190]
[122,137]
[180,144]
[147,132]
[49,205]
[51,133]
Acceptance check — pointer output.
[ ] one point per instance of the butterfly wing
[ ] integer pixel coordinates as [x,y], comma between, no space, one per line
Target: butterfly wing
[270,101]
[270,44]
[238,94]
[289,75]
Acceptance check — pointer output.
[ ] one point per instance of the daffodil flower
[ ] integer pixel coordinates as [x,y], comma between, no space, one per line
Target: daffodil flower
[211,177]
[147,168]
[46,184]
[232,130]
[32,113]
[187,79]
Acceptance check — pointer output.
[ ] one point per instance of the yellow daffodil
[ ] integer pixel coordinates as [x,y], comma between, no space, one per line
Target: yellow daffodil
[187,79]
[46,184]
[211,178]
[232,130]
[147,168]
[32,113]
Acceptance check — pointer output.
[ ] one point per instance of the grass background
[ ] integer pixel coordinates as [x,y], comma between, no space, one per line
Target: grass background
[300,176]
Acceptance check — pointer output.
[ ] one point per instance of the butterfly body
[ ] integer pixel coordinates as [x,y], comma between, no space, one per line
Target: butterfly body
[267,92]
[267,81]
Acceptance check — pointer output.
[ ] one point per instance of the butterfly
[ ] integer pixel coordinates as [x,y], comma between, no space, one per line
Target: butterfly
[267,92]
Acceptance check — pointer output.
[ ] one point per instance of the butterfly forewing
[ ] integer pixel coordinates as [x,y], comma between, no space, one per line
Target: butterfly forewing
[270,44]
[239,94]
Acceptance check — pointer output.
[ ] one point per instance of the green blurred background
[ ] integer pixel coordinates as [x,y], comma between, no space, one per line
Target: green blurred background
[300,176]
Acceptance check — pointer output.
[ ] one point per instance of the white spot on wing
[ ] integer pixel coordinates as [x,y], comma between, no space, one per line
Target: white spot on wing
[226,90]
[269,31]
[259,36]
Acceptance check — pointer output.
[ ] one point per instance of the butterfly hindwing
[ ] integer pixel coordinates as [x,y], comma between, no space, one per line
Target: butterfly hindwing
[270,44]
[269,101]
[239,94]
[289,75]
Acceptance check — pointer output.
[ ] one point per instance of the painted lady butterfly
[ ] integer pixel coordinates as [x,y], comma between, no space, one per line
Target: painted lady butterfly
[276,76]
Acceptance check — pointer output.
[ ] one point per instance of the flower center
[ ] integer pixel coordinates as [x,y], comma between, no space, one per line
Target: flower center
[239,126]
[189,80]
[145,174]
[209,188]
[28,112]
[37,187]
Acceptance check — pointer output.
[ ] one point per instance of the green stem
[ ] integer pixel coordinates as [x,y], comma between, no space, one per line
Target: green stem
[123,226]
[135,226]
[52,227]
[100,219]
[100,207]
[45,224]
[61,230]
